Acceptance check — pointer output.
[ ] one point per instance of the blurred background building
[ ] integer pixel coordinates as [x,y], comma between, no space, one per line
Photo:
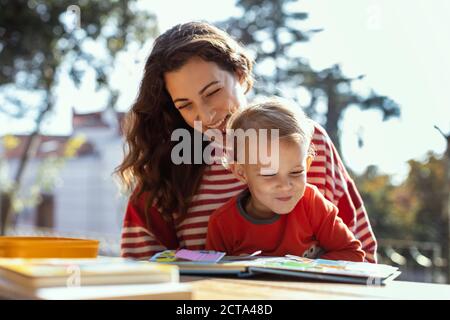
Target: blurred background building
[86,201]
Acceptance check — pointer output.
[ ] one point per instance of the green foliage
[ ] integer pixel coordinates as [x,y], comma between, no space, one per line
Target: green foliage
[426,182]
[392,211]
[413,210]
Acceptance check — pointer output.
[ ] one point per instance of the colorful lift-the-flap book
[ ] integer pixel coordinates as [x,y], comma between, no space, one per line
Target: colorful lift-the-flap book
[313,269]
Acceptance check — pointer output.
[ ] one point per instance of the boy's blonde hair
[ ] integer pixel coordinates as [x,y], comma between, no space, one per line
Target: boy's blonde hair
[275,113]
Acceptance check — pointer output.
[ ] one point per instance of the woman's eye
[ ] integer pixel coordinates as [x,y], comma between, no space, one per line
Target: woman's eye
[213,92]
[297,173]
[184,106]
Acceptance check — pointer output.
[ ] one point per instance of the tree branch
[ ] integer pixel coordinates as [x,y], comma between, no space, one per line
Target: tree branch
[446,137]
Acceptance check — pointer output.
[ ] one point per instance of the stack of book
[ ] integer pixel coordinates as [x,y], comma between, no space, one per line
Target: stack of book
[102,278]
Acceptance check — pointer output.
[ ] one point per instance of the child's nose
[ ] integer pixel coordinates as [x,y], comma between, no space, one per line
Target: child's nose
[285,183]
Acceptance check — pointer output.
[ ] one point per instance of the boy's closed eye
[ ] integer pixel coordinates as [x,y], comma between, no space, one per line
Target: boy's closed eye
[272,174]
[213,92]
[297,173]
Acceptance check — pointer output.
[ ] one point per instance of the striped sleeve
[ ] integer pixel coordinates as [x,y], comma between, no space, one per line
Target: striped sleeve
[141,241]
[328,173]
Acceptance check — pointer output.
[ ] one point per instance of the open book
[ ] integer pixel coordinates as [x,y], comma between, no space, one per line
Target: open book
[318,269]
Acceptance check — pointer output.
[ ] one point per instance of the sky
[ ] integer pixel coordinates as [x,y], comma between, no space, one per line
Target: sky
[402,47]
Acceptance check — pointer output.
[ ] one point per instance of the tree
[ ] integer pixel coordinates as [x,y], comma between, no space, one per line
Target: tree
[270,29]
[417,209]
[392,208]
[413,210]
[446,197]
[39,37]
[332,85]
[426,181]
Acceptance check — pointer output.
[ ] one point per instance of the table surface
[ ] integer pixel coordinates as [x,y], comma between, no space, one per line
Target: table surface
[274,287]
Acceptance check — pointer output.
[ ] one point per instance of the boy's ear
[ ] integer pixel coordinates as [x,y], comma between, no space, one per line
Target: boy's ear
[238,171]
[309,160]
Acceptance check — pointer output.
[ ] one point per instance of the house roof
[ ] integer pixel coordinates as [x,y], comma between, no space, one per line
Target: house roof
[45,146]
[88,120]
[48,145]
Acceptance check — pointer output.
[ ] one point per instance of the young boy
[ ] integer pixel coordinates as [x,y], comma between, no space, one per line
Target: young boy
[279,213]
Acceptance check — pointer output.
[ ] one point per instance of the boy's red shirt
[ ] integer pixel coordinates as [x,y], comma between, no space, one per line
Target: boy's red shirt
[312,229]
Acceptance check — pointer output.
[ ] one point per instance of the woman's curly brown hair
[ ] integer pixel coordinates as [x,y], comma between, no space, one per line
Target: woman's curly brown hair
[147,168]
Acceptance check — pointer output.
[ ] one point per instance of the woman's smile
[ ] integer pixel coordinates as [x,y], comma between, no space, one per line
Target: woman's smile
[220,124]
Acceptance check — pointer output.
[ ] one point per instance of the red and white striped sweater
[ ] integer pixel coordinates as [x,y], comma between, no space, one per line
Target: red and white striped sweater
[218,185]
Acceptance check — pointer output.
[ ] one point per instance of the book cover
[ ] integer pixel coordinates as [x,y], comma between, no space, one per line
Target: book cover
[37,273]
[154,291]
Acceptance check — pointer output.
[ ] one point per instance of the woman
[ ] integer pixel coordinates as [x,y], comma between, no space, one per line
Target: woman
[197,72]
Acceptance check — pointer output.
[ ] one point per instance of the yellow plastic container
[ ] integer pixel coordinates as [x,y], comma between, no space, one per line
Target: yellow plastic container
[47,247]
